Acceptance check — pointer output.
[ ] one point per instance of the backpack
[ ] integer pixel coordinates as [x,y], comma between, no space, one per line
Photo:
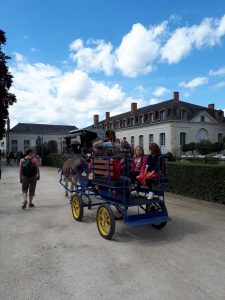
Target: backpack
[28,168]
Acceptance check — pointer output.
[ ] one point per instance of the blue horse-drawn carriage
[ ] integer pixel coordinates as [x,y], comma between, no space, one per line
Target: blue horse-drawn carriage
[97,186]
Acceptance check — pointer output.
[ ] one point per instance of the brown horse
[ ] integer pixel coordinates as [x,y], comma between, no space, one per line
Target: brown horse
[70,169]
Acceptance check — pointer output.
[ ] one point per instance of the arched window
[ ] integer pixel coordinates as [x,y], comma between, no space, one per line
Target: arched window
[202,135]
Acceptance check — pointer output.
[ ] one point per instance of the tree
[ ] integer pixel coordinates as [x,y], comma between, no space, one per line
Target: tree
[217,147]
[204,147]
[188,147]
[6,98]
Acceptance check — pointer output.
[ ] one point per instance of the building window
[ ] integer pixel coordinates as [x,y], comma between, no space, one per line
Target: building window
[182,138]
[132,121]
[111,125]
[141,140]
[141,119]
[182,114]
[124,122]
[162,115]
[2,144]
[202,118]
[202,135]
[118,124]
[151,117]
[132,141]
[26,145]
[162,138]
[151,138]
[220,137]
[14,146]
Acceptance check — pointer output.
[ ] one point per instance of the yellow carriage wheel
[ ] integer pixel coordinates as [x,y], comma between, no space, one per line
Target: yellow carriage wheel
[77,207]
[105,221]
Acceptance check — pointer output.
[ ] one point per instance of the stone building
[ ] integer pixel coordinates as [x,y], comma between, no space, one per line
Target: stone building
[25,135]
[171,124]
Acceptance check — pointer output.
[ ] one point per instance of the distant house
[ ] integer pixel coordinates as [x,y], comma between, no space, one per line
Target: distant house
[170,124]
[25,135]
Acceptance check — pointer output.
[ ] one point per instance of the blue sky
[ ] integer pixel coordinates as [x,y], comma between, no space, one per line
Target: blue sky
[72,59]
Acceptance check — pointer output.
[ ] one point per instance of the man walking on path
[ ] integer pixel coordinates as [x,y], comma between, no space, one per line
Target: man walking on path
[29,174]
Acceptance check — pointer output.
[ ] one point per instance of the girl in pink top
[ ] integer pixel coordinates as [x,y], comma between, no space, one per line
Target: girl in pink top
[138,164]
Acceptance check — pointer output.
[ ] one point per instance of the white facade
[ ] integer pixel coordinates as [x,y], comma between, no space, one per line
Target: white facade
[37,136]
[170,124]
[25,141]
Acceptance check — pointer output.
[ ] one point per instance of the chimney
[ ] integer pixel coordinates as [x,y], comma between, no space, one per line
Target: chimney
[211,106]
[96,120]
[133,107]
[176,97]
[107,116]
[219,115]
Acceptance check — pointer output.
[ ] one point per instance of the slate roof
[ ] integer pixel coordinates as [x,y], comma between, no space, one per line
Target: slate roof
[42,128]
[169,105]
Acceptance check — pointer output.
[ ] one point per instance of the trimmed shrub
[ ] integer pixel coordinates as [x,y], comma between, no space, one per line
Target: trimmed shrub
[200,181]
[53,161]
[204,160]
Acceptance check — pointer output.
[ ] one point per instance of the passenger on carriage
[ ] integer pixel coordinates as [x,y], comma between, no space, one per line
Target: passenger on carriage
[138,165]
[152,171]
[107,147]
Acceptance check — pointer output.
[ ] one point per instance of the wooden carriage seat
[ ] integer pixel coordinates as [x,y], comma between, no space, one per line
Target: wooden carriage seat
[104,173]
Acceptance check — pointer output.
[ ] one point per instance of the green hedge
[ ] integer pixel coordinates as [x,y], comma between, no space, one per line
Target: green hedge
[200,181]
[53,161]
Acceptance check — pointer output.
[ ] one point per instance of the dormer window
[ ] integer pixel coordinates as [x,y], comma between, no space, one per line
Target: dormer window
[132,121]
[141,119]
[118,124]
[124,122]
[151,117]
[162,115]
[182,114]
[111,125]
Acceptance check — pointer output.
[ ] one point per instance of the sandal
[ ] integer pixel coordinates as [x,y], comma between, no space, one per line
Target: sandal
[24,205]
[31,205]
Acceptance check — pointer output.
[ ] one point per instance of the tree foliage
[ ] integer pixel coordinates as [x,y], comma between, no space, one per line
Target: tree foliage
[6,79]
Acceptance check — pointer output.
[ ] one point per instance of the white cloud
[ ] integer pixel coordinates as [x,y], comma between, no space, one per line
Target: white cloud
[98,57]
[184,39]
[154,101]
[198,81]
[139,49]
[46,95]
[218,72]
[219,85]
[143,48]
[33,50]
[160,91]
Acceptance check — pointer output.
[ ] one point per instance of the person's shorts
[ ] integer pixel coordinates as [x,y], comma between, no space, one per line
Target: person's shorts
[29,183]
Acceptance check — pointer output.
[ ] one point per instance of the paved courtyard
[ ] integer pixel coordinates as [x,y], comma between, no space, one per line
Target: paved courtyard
[46,254]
